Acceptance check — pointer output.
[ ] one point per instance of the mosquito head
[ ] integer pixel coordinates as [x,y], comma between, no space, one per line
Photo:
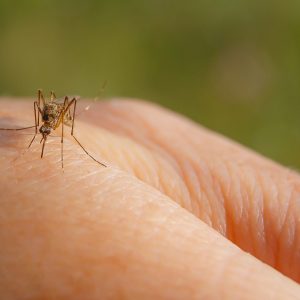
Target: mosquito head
[45,131]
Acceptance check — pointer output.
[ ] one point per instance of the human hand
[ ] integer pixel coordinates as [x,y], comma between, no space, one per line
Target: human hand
[160,222]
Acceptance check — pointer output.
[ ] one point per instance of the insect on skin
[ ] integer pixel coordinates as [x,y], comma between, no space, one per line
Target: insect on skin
[54,113]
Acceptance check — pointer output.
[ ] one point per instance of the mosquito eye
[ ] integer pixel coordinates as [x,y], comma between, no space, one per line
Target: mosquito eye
[45,117]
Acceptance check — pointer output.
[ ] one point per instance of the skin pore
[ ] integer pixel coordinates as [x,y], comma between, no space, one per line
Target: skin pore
[180,212]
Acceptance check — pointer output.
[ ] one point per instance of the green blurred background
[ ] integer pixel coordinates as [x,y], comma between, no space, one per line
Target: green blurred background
[233,66]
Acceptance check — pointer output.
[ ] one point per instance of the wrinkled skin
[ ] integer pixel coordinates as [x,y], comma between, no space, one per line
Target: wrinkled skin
[171,217]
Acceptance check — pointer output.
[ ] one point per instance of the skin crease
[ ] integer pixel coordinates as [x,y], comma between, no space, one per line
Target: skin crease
[161,222]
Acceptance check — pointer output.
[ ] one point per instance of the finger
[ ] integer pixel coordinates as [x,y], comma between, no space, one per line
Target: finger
[204,179]
[249,199]
[100,233]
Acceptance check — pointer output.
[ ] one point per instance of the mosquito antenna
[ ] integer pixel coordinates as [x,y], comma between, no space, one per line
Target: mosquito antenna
[102,89]
[95,99]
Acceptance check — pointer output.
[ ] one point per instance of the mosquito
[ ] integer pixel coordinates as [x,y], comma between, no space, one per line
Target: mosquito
[52,114]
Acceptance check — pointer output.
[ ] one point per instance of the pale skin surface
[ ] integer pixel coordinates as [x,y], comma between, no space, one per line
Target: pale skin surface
[142,228]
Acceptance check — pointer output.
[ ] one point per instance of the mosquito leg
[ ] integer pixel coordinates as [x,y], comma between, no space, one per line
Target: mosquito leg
[43,147]
[36,124]
[66,104]
[37,113]
[74,100]
[74,111]
[39,101]
[67,107]
[16,129]
[94,159]
[31,141]
[44,138]
[69,114]
[40,97]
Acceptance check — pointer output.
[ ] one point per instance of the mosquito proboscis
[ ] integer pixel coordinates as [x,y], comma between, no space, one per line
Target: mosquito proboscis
[52,114]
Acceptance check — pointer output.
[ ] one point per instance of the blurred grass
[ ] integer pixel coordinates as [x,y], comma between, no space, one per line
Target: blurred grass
[233,66]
